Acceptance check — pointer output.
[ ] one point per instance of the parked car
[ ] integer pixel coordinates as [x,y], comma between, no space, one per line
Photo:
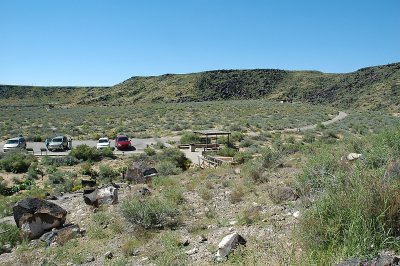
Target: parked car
[59,143]
[103,143]
[15,143]
[122,142]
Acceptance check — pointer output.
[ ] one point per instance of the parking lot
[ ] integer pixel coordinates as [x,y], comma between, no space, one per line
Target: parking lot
[138,146]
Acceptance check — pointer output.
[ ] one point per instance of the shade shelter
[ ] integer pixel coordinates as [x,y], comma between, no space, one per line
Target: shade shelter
[209,134]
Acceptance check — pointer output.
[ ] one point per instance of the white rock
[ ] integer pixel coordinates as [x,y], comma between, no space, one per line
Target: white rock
[228,243]
[232,222]
[354,156]
[192,251]
[296,214]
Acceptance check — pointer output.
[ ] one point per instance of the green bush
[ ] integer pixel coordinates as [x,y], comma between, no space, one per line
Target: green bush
[86,153]
[226,152]
[270,158]
[107,153]
[150,212]
[9,234]
[168,168]
[174,156]
[190,137]
[60,161]
[107,172]
[16,162]
[354,211]
[150,151]
[243,156]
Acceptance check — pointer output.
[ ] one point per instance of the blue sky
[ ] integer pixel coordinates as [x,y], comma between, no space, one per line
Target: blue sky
[103,42]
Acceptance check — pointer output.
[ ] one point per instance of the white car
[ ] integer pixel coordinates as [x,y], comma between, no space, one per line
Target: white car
[103,143]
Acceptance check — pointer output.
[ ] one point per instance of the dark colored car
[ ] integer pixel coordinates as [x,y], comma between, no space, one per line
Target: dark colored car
[122,142]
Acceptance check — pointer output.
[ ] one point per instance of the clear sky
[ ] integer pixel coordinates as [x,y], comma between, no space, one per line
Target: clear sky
[103,42]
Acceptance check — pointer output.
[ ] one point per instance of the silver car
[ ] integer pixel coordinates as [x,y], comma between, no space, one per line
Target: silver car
[59,143]
[15,143]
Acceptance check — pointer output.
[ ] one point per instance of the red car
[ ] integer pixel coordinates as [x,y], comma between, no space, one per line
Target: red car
[123,143]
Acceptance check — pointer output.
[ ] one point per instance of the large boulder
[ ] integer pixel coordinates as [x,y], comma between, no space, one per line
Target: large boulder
[227,244]
[35,216]
[101,196]
[140,173]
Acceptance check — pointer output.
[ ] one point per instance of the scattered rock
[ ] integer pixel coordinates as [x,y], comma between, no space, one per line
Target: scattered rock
[101,196]
[192,251]
[52,198]
[232,222]
[354,156]
[7,248]
[109,255]
[90,259]
[144,191]
[296,214]
[383,259]
[184,242]
[35,216]
[202,239]
[61,235]
[227,244]
[140,173]
[282,193]
[88,183]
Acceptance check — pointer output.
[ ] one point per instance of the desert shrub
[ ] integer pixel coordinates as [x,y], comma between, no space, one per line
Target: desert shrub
[174,194]
[86,153]
[169,251]
[246,143]
[243,156]
[57,178]
[8,191]
[62,181]
[37,138]
[174,156]
[309,137]
[226,152]
[249,215]
[205,193]
[9,234]
[168,168]
[149,151]
[159,145]
[189,137]
[255,171]
[60,161]
[151,212]
[16,162]
[318,172]
[106,153]
[358,212]
[107,172]
[236,194]
[270,158]
[86,169]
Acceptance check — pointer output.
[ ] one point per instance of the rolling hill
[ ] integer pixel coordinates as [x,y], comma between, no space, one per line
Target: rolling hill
[370,88]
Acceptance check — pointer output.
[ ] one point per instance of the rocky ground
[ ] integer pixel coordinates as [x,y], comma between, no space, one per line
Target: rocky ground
[211,210]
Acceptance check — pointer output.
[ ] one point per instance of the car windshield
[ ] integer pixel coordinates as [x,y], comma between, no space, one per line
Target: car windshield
[12,141]
[57,140]
[122,139]
[103,140]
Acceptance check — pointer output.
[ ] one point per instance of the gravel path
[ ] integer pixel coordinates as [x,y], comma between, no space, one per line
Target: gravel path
[337,118]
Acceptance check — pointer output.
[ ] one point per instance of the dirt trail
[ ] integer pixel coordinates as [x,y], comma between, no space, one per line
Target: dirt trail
[337,118]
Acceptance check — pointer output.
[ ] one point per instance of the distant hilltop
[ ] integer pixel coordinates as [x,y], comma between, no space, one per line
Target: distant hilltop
[370,88]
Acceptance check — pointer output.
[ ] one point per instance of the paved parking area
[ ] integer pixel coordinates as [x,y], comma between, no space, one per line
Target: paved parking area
[138,144]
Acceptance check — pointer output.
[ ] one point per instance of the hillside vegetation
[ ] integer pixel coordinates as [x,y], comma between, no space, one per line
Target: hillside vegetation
[372,88]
